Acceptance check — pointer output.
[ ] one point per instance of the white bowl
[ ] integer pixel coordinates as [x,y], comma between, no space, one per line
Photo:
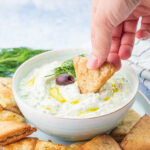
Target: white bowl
[64,128]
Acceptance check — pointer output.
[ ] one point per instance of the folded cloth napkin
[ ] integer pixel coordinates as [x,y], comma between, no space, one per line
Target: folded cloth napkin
[143,73]
[140,61]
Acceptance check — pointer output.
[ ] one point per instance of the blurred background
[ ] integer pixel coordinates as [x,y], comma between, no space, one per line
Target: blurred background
[45,24]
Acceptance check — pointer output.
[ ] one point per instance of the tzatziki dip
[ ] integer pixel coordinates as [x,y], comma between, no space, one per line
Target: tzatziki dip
[43,90]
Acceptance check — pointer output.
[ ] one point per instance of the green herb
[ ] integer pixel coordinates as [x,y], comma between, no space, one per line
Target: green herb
[82,55]
[67,67]
[12,58]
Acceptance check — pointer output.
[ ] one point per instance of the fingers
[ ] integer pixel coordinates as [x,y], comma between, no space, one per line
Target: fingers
[101,46]
[141,10]
[114,59]
[113,56]
[105,16]
[127,40]
[144,32]
[116,39]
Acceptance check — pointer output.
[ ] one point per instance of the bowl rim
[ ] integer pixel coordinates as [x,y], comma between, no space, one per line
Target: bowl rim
[65,118]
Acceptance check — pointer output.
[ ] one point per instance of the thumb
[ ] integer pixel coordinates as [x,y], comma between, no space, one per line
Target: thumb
[101,41]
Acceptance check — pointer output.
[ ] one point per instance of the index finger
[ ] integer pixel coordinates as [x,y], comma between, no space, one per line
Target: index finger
[128,37]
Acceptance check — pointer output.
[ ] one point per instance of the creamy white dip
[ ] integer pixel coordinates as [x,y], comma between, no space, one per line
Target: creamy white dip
[43,94]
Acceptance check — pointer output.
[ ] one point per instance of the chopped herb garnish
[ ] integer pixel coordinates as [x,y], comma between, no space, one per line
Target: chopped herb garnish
[67,67]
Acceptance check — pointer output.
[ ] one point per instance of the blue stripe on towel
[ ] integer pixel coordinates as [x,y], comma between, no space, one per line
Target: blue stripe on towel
[145,90]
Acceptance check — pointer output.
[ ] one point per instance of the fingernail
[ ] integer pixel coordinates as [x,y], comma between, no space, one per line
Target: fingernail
[92,62]
[146,35]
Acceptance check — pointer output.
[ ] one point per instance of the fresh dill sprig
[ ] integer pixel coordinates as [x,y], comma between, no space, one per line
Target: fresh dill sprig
[66,67]
[12,58]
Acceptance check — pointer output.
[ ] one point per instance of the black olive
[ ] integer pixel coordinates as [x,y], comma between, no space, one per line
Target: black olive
[64,79]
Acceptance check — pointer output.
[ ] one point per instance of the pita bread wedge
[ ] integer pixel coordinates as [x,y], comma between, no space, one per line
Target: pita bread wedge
[139,136]
[101,142]
[125,125]
[47,145]
[1,108]
[11,131]
[90,81]
[6,81]
[7,100]
[24,144]
[6,115]
[14,109]
[75,146]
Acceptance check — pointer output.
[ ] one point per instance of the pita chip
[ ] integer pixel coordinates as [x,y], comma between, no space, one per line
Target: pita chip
[75,146]
[24,144]
[48,145]
[139,136]
[89,80]
[7,100]
[6,115]
[125,125]
[6,81]
[101,142]
[11,131]
[1,108]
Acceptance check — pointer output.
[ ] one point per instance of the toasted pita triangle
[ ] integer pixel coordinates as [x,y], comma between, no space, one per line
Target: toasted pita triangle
[139,136]
[89,80]
[24,144]
[125,125]
[44,145]
[13,131]
[101,142]
[6,115]
[1,108]
[14,109]
[6,81]
[7,100]
[75,146]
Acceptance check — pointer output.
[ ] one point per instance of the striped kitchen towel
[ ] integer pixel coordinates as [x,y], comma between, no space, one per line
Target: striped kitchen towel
[140,60]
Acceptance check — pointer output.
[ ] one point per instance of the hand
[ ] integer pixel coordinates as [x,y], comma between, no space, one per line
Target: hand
[113,29]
